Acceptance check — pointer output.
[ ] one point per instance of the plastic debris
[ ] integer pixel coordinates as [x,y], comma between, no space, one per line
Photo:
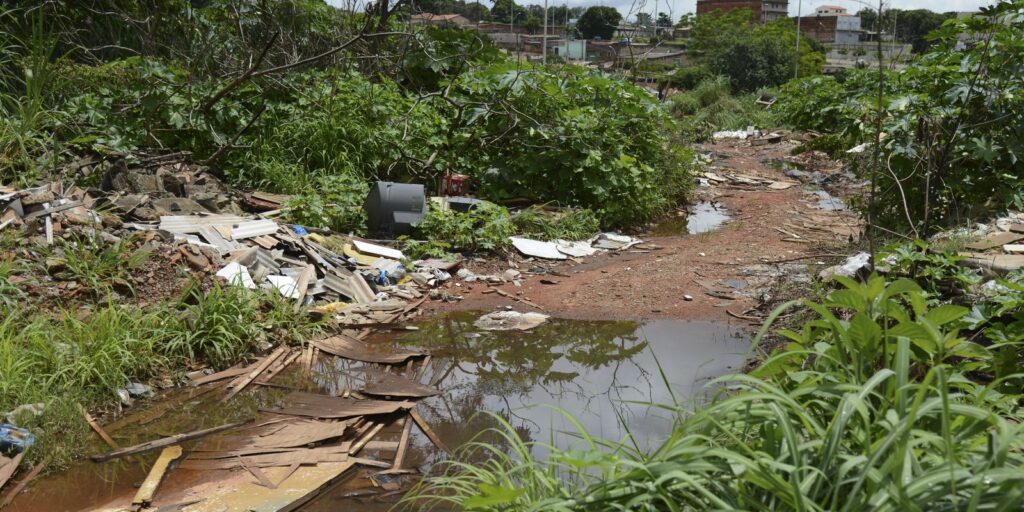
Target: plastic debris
[236,274]
[537,248]
[510,321]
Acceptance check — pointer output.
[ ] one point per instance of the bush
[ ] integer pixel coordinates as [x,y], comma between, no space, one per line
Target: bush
[485,227]
[563,224]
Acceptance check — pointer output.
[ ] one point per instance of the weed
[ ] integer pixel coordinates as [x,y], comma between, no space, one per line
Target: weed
[563,224]
[217,326]
[97,265]
[486,227]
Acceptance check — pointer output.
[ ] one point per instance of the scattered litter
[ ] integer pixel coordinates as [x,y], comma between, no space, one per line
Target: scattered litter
[377,250]
[849,268]
[576,249]
[537,248]
[615,241]
[14,439]
[285,285]
[510,320]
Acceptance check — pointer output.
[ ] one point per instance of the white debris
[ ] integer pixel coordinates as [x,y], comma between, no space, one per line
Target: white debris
[236,274]
[849,268]
[859,148]
[730,134]
[537,248]
[510,320]
[615,241]
[285,285]
[377,250]
[575,249]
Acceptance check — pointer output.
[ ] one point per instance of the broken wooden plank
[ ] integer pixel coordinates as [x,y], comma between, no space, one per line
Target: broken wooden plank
[403,444]
[322,406]
[260,477]
[392,385]
[21,484]
[351,348]
[99,430]
[8,467]
[503,293]
[358,445]
[428,431]
[337,453]
[144,496]
[221,375]
[244,381]
[166,441]
[278,368]
[52,209]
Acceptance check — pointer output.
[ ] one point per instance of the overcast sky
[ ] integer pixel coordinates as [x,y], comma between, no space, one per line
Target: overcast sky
[679,7]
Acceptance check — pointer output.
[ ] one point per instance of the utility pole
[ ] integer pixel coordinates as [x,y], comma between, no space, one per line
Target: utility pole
[544,43]
[796,61]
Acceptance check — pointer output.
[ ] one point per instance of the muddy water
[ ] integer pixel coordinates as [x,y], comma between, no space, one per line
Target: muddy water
[589,369]
[703,217]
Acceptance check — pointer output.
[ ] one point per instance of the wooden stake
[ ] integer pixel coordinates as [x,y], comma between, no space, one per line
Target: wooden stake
[21,485]
[403,444]
[99,430]
[358,445]
[251,376]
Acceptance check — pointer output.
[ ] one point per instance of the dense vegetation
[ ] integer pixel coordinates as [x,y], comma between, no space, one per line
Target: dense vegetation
[953,123]
[432,102]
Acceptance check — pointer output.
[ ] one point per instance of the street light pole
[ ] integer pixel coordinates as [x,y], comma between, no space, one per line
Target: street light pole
[796,61]
[544,43]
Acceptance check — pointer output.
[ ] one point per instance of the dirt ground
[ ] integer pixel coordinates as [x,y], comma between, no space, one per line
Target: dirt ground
[724,272]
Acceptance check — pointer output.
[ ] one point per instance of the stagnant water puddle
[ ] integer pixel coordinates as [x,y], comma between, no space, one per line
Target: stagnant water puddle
[703,217]
[589,369]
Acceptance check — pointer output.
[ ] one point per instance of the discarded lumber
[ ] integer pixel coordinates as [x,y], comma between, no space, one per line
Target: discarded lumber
[99,430]
[321,406]
[387,384]
[8,467]
[403,444]
[21,484]
[144,496]
[503,293]
[166,441]
[420,422]
[242,382]
[351,348]
[358,445]
[221,375]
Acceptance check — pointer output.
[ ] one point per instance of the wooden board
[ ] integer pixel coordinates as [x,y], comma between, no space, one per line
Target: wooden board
[323,406]
[338,453]
[995,240]
[351,348]
[387,384]
[156,475]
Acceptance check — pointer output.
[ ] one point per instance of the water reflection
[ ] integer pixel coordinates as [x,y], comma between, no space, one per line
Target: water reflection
[595,371]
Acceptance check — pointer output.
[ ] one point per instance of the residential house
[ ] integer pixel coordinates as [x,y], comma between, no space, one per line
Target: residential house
[831,25]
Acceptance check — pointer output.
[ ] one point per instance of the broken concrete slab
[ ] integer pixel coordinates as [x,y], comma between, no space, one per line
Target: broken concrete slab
[995,240]
[993,263]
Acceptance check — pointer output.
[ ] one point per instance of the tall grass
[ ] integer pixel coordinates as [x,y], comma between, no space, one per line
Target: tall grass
[869,408]
[710,107]
[28,75]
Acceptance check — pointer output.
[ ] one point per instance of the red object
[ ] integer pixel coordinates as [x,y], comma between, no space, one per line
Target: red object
[455,185]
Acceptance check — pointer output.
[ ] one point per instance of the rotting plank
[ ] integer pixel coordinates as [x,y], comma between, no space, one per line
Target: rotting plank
[428,431]
[336,453]
[403,444]
[242,382]
[358,445]
[156,475]
[323,406]
[21,484]
[307,274]
[351,348]
[99,430]
[221,375]
[278,368]
[7,469]
[393,385]
[166,441]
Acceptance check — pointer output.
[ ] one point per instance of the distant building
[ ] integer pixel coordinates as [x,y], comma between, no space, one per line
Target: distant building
[441,20]
[764,10]
[831,10]
[831,24]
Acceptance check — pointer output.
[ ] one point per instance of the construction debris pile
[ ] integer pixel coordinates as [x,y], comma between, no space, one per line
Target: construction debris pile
[294,449]
[995,248]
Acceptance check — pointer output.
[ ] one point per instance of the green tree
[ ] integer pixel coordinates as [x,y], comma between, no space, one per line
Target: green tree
[664,20]
[598,22]
[507,11]
[644,19]
[754,62]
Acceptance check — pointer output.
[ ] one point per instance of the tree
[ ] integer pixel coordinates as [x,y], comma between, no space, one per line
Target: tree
[599,22]
[664,20]
[644,19]
[502,12]
[754,62]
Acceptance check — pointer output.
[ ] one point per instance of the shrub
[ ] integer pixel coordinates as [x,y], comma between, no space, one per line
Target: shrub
[486,226]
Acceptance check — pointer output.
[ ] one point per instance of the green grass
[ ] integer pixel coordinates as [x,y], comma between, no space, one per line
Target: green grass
[711,107]
[84,356]
[868,408]
[97,265]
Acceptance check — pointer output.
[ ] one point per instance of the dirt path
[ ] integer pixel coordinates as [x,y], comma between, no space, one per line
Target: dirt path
[724,271]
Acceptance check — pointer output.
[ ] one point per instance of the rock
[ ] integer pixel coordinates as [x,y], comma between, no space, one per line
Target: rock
[511,275]
[688,298]
[510,320]
[177,206]
[39,196]
[797,174]
[79,215]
